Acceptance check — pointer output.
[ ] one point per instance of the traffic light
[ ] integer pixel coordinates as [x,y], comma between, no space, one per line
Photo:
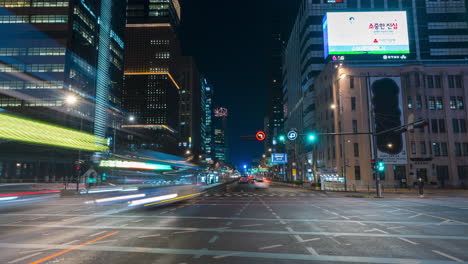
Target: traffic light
[282,138]
[312,137]
[380,166]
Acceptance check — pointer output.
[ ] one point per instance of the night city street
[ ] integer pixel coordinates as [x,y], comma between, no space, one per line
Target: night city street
[233,132]
[240,224]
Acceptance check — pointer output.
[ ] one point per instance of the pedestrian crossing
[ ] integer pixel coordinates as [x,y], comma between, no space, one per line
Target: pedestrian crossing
[271,194]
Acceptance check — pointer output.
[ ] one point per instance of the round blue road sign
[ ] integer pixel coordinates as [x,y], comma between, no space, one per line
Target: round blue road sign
[292,135]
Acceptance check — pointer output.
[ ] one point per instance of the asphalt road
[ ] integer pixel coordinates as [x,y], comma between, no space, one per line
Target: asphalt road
[239,224]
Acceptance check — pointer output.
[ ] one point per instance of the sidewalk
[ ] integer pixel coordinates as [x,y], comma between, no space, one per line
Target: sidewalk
[388,192]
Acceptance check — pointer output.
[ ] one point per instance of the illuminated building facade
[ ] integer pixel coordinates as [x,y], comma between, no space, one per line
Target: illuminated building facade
[220,134]
[51,51]
[207,118]
[152,87]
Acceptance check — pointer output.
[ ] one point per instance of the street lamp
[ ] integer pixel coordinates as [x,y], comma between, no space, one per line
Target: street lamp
[343,75]
[270,150]
[188,152]
[333,106]
[131,118]
[390,145]
[264,156]
[71,99]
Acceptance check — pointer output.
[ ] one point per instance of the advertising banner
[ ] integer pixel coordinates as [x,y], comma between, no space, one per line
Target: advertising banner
[386,102]
[383,32]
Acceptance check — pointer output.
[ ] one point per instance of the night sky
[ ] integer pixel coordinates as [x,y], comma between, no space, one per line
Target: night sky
[229,40]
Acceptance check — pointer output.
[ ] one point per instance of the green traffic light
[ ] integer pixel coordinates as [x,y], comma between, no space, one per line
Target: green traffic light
[312,137]
[282,138]
[381,167]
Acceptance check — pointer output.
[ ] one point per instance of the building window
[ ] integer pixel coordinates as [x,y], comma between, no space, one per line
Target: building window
[455,126]
[453,102]
[451,81]
[353,103]
[355,126]
[437,81]
[458,81]
[465,149]
[413,148]
[410,102]
[458,149]
[351,82]
[434,126]
[462,123]
[356,149]
[418,101]
[443,148]
[432,104]
[439,103]
[422,147]
[441,125]
[436,147]
[460,103]
[462,172]
[430,81]
[357,173]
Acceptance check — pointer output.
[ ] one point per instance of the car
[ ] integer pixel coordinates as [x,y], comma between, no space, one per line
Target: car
[260,183]
[244,180]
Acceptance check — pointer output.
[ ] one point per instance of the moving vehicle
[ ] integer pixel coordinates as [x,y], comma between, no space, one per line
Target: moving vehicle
[260,183]
[244,180]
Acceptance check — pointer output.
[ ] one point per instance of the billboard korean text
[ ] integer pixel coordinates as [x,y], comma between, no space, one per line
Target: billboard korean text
[365,33]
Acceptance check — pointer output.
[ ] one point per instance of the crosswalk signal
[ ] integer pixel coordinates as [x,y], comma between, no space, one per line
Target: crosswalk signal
[380,166]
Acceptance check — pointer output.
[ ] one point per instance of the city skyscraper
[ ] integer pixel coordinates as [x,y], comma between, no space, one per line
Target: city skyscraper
[207,118]
[152,86]
[220,134]
[61,62]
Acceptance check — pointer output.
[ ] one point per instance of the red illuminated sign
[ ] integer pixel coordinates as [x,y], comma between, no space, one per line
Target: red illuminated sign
[260,136]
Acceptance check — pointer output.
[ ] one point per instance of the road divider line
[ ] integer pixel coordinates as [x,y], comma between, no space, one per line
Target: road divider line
[42,260]
[97,234]
[409,241]
[312,251]
[24,258]
[254,231]
[447,256]
[213,239]
[268,247]
[156,235]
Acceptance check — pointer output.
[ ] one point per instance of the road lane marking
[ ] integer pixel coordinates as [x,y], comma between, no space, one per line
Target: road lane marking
[396,227]
[312,251]
[308,240]
[447,256]
[97,234]
[338,242]
[409,241]
[137,221]
[225,255]
[251,225]
[254,231]
[183,232]
[450,222]
[105,241]
[268,247]
[156,235]
[416,215]
[376,229]
[25,257]
[360,223]
[213,239]
[42,260]
[244,254]
[36,250]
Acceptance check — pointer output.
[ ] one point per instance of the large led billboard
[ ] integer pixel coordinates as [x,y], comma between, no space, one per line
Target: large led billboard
[365,33]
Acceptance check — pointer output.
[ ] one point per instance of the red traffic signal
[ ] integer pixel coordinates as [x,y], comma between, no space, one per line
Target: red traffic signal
[260,136]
